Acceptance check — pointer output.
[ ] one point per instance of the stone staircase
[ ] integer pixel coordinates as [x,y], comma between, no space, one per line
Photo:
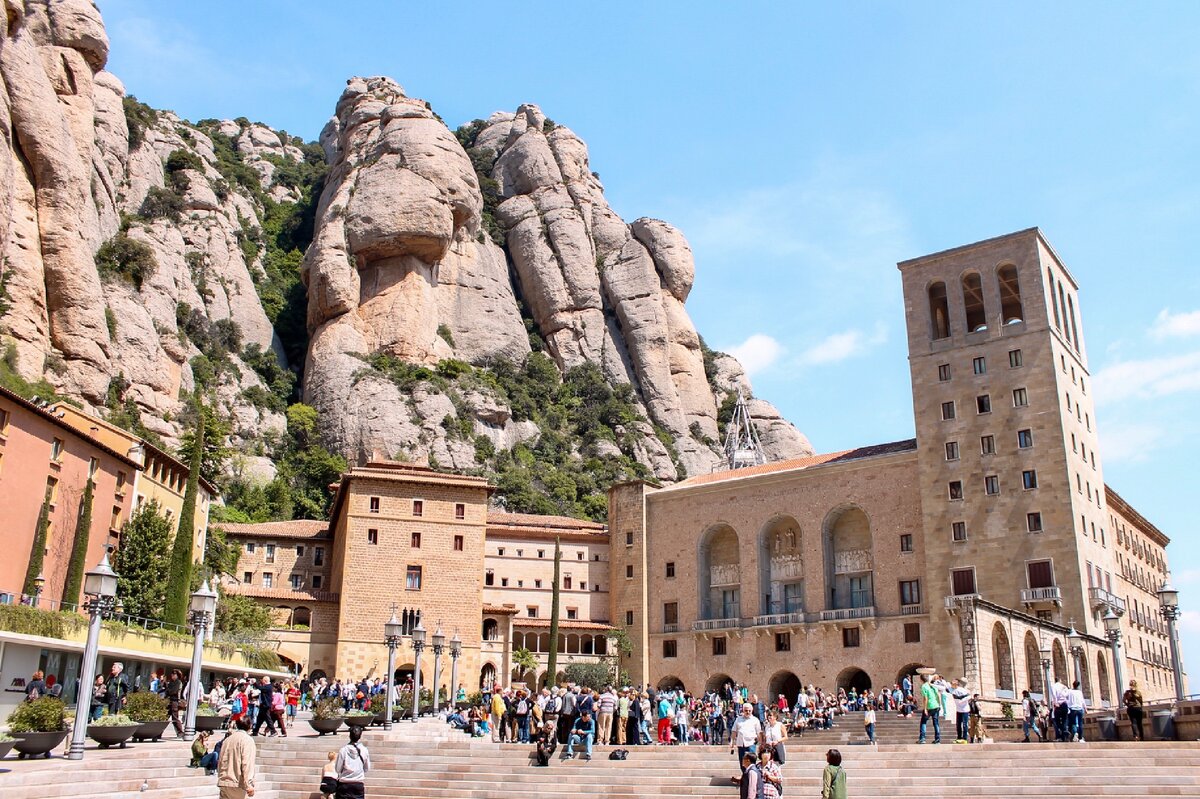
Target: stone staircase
[427,760]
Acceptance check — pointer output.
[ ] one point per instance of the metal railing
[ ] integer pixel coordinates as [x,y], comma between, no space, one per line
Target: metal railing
[1049,593]
[1102,598]
[716,624]
[847,614]
[913,610]
[768,619]
[670,628]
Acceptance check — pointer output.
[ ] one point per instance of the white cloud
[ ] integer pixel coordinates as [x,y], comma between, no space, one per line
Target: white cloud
[757,352]
[1131,443]
[1148,378]
[1169,325]
[838,347]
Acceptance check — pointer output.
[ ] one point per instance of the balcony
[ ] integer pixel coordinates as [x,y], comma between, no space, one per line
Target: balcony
[769,619]
[955,601]
[670,628]
[1102,600]
[848,614]
[716,624]
[1034,596]
[913,610]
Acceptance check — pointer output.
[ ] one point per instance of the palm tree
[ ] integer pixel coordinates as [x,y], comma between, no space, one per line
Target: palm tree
[524,660]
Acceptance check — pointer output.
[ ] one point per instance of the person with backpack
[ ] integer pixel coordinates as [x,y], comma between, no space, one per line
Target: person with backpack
[239,704]
[352,764]
[521,711]
[36,688]
[833,779]
[1029,713]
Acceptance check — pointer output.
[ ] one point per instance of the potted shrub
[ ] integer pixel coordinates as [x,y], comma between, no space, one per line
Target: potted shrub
[112,730]
[360,718]
[38,726]
[6,744]
[207,719]
[327,715]
[149,710]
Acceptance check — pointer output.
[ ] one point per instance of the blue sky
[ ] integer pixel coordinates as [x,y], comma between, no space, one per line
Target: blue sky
[804,150]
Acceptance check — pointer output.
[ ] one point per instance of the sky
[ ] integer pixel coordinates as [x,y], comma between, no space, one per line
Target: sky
[804,149]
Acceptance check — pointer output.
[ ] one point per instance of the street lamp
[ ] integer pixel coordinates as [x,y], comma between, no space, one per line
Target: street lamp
[100,584]
[455,651]
[393,631]
[1168,600]
[202,613]
[39,583]
[1075,643]
[418,643]
[439,644]
[1045,651]
[1112,628]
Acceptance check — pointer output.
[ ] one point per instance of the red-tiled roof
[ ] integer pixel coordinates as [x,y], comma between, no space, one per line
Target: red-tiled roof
[502,518]
[55,420]
[297,528]
[564,624]
[873,451]
[499,609]
[283,592]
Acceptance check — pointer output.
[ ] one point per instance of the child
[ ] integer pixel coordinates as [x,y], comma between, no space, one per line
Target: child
[869,723]
[329,780]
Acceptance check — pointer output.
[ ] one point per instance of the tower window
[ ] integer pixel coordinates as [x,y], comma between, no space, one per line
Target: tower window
[1033,522]
[979,365]
[983,403]
[972,289]
[670,569]
[906,542]
[416,540]
[947,411]
[943,372]
[458,543]
[987,445]
[991,484]
[1014,359]
[1020,398]
[1053,298]
[418,507]
[1029,479]
[958,531]
[1024,439]
[951,450]
[939,311]
[1011,311]
[374,505]
[372,536]
[956,491]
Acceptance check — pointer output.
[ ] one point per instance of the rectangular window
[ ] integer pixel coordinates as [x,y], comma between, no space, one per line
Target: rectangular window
[987,445]
[962,581]
[416,540]
[906,542]
[910,592]
[628,571]
[1024,439]
[958,531]
[578,556]
[851,637]
[3,421]
[1029,479]
[537,583]
[489,577]
[458,543]
[297,582]
[412,578]
[318,556]
[1020,398]
[418,507]
[372,536]
[669,649]
[670,613]
[670,569]
[783,642]
[541,553]
[628,618]
[1014,359]
[268,578]
[270,554]
[567,581]
[943,372]
[951,450]
[115,523]
[947,411]
[56,450]
[582,585]
[1041,574]
[300,551]
[531,611]
[316,581]
[121,479]
[373,505]
[93,467]
[1033,522]
[248,578]
[629,538]
[51,491]
[956,489]
[720,645]
[250,547]
[572,613]
[912,633]
[979,365]
[991,485]
[983,403]
[460,510]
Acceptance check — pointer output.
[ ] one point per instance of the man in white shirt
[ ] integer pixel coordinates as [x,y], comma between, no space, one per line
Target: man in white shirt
[1076,705]
[1058,697]
[746,733]
[961,696]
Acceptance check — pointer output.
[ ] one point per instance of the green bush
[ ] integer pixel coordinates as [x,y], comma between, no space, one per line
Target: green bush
[590,675]
[179,160]
[35,621]
[161,203]
[138,117]
[146,706]
[117,720]
[126,258]
[328,708]
[204,710]
[41,715]
[261,659]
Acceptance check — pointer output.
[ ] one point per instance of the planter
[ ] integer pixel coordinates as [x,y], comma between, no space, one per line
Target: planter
[5,748]
[32,744]
[210,723]
[111,736]
[359,721]
[152,730]
[325,726]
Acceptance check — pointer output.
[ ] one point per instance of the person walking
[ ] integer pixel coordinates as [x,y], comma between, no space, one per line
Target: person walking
[833,779]
[745,734]
[266,706]
[772,775]
[173,693]
[1029,712]
[1135,708]
[975,714]
[750,784]
[1058,706]
[869,724]
[932,710]
[117,686]
[352,764]
[1076,706]
[235,765]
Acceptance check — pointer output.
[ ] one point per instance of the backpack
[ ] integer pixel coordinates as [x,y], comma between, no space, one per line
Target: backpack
[522,707]
[238,705]
[618,754]
[34,694]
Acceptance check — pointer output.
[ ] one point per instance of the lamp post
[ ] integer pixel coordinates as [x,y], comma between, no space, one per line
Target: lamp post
[455,651]
[393,631]
[1075,642]
[418,643]
[1112,628]
[1168,600]
[204,606]
[100,585]
[439,644]
[39,583]
[1045,652]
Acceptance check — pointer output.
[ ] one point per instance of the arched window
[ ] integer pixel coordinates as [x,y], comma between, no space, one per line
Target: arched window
[849,560]
[1102,678]
[1002,657]
[1053,297]
[781,567]
[1074,330]
[491,630]
[972,289]
[1059,661]
[1085,678]
[720,574]
[1033,664]
[939,311]
[302,615]
[1062,303]
[1011,310]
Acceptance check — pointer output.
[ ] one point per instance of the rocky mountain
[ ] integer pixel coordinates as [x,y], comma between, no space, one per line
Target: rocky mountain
[468,297]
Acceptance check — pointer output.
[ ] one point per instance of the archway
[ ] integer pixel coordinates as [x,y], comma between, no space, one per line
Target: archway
[1002,659]
[780,567]
[716,682]
[849,559]
[1033,664]
[786,683]
[1085,678]
[403,673]
[487,676]
[670,683]
[719,573]
[317,674]
[1102,678]
[909,671]
[854,677]
[1060,664]
[491,630]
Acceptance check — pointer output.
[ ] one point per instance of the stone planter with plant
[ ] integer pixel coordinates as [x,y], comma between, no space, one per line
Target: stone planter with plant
[6,745]
[328,715]
[38,726]
[112,730]
[149,710]
[360,718]
[208,720]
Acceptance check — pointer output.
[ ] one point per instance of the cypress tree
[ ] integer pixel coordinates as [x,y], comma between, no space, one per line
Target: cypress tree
[179,575]
[83,529]
[38,553]
[552,661]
